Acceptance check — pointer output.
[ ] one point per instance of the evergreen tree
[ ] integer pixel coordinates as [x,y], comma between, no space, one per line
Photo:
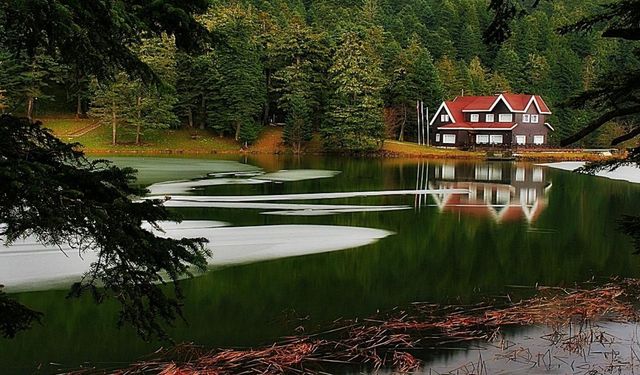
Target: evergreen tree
[509,65]
[478,78]
[415,78]
[354,121]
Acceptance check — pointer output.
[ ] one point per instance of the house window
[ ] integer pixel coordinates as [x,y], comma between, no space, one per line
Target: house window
[538,139]
[538,175]
[520,174]
[449,139]
[505,117]
[444,118]
[521,140]
[448,172]
[526,118]
[490,117]
[534,119]
[437,137]
[475,117]
[482,139]
[496,139]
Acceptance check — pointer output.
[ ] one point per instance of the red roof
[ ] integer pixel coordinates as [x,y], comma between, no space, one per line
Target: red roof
[480,125]
[517,102]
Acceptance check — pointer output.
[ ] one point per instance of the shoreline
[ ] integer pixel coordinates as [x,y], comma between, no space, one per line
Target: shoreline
[451,154]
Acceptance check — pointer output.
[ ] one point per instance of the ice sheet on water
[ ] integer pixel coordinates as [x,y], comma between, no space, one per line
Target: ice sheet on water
[184,187]
[152,170]
[28,265]
[237,178]
[309,196]
[337,211]
[276,206]
[625,173]
[298,175]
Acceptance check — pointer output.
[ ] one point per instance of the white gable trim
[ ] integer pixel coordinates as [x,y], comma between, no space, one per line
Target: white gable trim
[500,97]
[443,105]
[550,127]
[535,101]
[504,100]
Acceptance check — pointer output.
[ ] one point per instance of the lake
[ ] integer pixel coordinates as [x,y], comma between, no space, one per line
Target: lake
[306,256]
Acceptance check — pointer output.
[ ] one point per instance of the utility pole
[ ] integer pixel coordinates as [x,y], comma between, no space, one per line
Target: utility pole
[428,137]
[419,118]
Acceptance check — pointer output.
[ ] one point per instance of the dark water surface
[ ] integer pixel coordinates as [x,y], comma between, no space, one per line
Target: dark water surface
[521,225]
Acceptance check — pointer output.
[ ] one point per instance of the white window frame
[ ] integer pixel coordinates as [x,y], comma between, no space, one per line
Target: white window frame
[535,119]
[490,117]
[437,137]
[521,140]
[526,118]
[520,174]
[475,117]
[538,175]
[449,139]
[444,118]
[482,139]
[493,139]
[505,117]
[538,140]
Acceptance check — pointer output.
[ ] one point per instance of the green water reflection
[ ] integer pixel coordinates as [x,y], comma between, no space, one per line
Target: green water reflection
[521,225]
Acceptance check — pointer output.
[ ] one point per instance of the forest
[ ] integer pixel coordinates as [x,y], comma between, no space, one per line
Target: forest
[350,71]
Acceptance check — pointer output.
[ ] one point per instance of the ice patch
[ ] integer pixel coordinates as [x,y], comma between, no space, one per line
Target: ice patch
[310,196]
[624,173]
[28,265]
[298,175]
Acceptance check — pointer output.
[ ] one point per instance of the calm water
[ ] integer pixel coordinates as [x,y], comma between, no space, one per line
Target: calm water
[521,225]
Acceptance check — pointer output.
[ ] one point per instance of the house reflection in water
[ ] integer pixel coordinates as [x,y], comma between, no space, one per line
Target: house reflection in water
[503,191]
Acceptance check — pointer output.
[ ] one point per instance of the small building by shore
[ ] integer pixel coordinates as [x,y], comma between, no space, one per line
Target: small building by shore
[503,120]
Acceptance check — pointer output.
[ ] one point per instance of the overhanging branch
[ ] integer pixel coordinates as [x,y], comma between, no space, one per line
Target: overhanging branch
[597,123]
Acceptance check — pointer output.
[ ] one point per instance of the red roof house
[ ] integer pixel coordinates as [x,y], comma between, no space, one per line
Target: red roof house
[503,119]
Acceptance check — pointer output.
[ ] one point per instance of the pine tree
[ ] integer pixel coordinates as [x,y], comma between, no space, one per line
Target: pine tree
[509,65]
[354,121]
[415,78]
[478,78]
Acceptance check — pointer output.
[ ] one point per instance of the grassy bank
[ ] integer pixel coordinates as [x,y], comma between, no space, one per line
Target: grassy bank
[96,140]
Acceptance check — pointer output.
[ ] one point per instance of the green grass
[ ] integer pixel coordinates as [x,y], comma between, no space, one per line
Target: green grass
[153,141]
[64,126]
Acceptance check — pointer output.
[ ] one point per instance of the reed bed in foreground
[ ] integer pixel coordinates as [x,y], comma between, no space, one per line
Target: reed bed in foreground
[390,340]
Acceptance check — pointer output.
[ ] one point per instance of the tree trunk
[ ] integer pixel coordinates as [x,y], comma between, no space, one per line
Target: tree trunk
[113,122]
[404,122]
[267,109]
[203,107]
[30,102]
[138,124]
[79,113]
[190,117]
[237,130]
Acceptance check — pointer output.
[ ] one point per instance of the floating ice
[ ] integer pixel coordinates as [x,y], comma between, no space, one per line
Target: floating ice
[276,206]
[152,170]
[183,187]
[624,173]
[310,196]
[298,175]
[28,265]
[237,178]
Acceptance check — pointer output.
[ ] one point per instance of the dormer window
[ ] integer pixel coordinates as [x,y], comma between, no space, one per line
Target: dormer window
[505,117]
[526,118]
[490,117]
[475,117]
[534,119]
[444,118]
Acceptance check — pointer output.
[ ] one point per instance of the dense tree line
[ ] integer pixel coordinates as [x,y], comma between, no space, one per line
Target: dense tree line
[350,71]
